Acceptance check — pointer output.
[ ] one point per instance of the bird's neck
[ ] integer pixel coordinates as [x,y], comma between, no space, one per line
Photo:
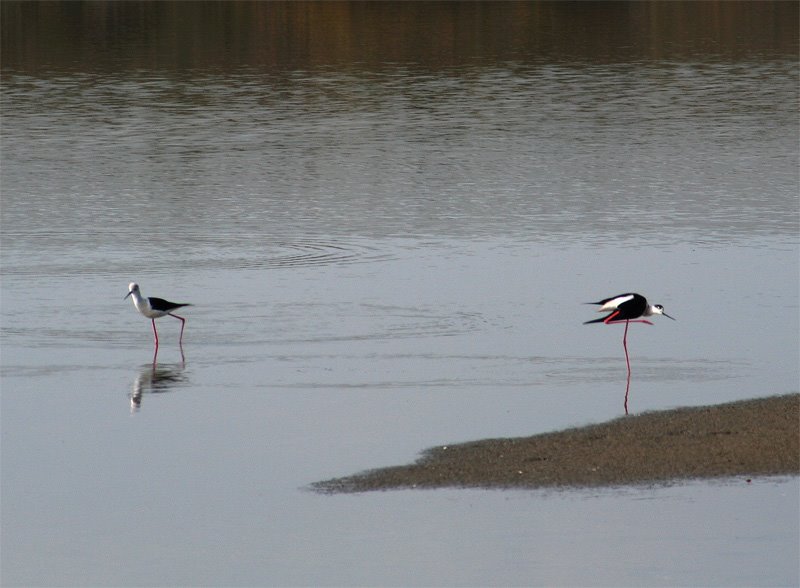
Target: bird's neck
[140,301]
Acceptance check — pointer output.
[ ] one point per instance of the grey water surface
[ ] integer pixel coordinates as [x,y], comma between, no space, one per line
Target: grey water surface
[384,253]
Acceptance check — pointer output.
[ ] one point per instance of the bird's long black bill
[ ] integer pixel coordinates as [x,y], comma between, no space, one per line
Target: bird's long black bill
[669,317]
[128,294]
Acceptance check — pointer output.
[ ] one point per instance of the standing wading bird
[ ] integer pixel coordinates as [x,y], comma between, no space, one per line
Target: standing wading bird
[154,308]
[627,308]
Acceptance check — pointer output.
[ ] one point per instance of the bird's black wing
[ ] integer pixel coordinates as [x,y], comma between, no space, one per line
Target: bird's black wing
[610,298]
[600,320]
[165,305]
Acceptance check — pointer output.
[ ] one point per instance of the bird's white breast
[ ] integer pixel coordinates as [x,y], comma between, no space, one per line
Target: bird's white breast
[143,306]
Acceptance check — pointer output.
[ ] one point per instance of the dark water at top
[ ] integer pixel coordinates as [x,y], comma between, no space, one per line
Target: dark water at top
[387,217]
[187,37]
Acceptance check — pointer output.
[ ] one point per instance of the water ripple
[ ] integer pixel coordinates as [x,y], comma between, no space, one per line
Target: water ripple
[57,261]
[310,252]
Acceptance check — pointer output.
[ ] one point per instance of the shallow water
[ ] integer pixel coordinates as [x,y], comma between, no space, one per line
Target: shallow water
[383,256]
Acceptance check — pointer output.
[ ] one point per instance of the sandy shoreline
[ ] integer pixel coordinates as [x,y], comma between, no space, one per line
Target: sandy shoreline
[749,438]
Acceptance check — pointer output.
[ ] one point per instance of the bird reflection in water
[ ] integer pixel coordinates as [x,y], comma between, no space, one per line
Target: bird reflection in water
[155,379]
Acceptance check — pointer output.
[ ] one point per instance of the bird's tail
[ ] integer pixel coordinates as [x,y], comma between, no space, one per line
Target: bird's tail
[600,320]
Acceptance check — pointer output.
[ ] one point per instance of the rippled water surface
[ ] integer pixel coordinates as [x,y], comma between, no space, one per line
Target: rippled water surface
[384,254]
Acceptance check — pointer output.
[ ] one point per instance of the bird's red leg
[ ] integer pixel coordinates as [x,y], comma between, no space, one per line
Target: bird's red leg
[183,324]
[610,318]
[155,333]
[180,340]
[628,363]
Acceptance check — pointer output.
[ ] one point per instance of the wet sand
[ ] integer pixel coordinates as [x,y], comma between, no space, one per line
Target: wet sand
[752,438]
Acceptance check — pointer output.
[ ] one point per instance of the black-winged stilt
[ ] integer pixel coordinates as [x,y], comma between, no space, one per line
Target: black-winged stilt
[154,308]
[627,308]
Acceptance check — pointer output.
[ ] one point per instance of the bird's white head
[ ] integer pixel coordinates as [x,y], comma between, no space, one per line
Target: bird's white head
[132,287]
[656,309]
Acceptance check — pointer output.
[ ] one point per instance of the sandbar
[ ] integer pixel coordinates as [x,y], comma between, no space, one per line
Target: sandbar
[747,439]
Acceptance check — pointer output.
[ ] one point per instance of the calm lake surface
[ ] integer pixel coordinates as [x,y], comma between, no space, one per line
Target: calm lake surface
[387,218]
